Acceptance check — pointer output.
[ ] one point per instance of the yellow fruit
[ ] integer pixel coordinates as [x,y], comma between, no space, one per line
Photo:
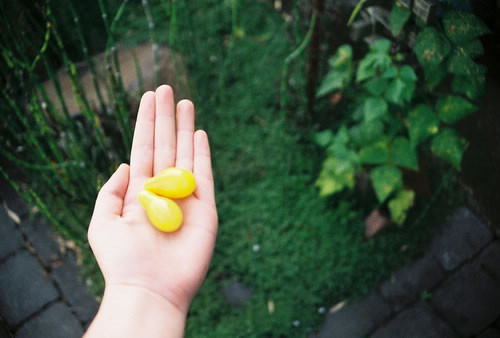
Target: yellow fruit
[172,183]
[162,212]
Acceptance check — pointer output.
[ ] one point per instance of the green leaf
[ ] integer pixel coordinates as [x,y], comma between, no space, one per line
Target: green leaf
[403,154]
[374,107]
[395,91]
[452,108]
[340,73]
[408,74]
[422,123]
[376,153]
[399,205]
[463,26]
[434,76]
[390,73]
[376,60]
[381,46]
[342,58]
[376,86]
[335,176]
[386,179]
[473,48]
[449,146]
[323,138]
[366,133]
[431,47]
[398,17]
[462,64]
[472,87]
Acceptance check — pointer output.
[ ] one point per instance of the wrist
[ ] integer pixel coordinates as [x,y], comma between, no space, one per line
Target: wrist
[129,311]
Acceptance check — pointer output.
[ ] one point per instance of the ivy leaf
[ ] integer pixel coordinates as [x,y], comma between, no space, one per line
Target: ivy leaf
[394,92]
[431,48]
[390,73]
[376,153]
[323,138]
[403,154]
[376,86]
[472,87]
[377,59]
[462,26]
[434,76]
[340,73]
[386,179]
[398,17]
[452,108]
[342,58]
[422,123]
[408,74]
[335,176]
[462,64]
[449,146]
[399,205]
[374,107]
[365,133]
[473,48]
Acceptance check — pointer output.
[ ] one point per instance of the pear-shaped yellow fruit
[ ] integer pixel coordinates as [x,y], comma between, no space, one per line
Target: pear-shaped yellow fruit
[162,212]
[172,183]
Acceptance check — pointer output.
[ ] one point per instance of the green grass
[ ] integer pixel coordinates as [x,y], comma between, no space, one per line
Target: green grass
[312,252]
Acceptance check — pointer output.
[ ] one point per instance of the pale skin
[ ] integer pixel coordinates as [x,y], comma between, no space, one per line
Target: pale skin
[151,276]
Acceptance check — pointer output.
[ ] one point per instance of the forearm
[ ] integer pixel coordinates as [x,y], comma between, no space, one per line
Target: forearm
[130,311]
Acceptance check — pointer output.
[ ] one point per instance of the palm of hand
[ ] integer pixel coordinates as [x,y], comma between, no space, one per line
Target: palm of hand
[129,250]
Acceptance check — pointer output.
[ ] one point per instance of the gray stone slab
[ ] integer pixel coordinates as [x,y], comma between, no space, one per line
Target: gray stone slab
[490,260]
[460,238]
[408,282]
[40,237]
[469,299]
[357,319]
[24,288]
[74,289]
[417,321]
[10,237]
[56,322]
[490,333]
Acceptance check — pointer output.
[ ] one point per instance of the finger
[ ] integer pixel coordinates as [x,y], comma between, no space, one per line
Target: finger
[164,143]
[203,168]
[109,201]
[185,131]
[141,155]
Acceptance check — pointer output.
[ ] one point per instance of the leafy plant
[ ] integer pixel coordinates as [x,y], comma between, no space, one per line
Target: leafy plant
[396,114]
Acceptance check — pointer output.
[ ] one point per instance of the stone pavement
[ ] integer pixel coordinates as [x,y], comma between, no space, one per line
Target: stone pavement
[452,291]
[41,294]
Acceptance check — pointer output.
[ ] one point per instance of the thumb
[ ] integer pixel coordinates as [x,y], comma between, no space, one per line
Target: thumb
[109,201]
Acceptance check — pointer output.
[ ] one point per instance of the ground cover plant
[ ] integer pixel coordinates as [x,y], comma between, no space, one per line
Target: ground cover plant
[297,253]
[394,114]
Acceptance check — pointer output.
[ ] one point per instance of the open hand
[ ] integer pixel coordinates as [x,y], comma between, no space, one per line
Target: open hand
[129,250]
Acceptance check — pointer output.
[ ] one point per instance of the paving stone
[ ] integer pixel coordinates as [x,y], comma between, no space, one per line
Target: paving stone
[490,333]
[490,260]
[356,319]
[236,293]
[10,237]
[408,282]
[4,330]
[418,321]
[74,290]
[55,322]
[23,287]
[460,238]
[39,235]
[469,299]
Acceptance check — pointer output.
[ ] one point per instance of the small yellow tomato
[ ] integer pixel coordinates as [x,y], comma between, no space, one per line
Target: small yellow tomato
[172,183]
[162,212]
